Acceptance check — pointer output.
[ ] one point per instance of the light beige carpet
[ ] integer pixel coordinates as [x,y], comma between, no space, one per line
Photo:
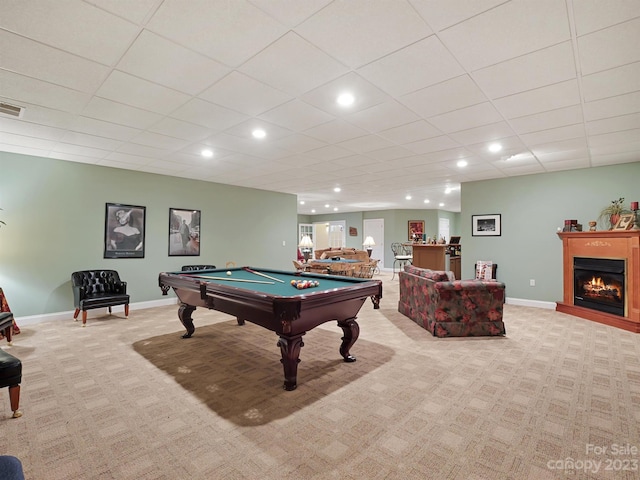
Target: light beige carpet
[129,399]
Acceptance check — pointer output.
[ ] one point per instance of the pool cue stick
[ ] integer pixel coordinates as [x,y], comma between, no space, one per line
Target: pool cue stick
[231,279]
[262,275]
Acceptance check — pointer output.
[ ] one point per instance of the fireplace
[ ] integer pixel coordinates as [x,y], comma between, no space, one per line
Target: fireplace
[599,284]
[601,277]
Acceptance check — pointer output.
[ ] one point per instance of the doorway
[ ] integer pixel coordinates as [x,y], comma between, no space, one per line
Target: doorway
[374,227]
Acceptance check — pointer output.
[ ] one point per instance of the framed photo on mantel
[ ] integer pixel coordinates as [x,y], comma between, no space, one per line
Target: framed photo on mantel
[486,225]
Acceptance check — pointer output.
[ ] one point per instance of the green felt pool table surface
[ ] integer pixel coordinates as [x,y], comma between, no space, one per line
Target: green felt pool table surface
[275,304]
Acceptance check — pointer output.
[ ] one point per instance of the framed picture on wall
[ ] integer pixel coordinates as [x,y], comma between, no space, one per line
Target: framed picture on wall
[184,232]
[416,229]
[124,231]
[486,225]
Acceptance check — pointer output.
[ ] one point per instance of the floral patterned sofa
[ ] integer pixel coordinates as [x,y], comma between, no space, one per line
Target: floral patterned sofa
[451,308]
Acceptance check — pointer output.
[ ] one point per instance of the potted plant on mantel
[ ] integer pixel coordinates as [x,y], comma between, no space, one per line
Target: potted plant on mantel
[611,213]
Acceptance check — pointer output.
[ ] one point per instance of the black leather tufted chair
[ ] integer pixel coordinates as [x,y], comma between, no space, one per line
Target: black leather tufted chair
[98,289]
[11,376]
[190,268]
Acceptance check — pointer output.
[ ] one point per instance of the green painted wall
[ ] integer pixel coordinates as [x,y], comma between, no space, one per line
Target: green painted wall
[532,208]
[54,213]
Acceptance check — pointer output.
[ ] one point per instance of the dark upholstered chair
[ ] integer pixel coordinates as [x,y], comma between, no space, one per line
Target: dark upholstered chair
[11,376]
[191,268]
[98,289]
[6,325]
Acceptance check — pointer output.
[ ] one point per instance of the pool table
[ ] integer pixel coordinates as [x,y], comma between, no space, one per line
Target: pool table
[267,298]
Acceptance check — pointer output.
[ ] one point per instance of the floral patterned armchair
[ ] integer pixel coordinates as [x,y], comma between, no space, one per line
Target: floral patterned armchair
[451,308]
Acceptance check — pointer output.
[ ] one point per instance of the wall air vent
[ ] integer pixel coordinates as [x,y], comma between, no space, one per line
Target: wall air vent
[11,110]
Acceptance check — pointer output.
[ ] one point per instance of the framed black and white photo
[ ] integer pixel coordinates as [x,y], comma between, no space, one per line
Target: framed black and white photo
[486,225]
[184,232]
[124,231]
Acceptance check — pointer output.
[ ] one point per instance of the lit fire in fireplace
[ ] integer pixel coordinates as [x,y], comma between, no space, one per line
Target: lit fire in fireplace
[597,288]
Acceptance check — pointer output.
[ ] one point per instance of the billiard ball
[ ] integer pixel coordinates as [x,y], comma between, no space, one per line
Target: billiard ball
[229,272]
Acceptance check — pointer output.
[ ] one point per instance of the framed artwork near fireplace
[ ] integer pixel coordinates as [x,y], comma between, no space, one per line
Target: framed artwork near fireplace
[486,225]
[625,222]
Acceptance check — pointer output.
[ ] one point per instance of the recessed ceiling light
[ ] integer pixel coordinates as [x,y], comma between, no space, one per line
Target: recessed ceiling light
[495,147]
[426,200]
[462,163]
[259,133]
[408,197]
[447,190]
[335,209]
[441,204]
[313,210]
[326,205]
[345,99]
[207,153]
[301,202]
[337,189]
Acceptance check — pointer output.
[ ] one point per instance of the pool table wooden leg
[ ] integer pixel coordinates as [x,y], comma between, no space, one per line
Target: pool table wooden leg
[184,314]
[351,331]
[290,349]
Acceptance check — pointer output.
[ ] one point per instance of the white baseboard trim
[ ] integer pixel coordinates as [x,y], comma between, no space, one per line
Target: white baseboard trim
[35,319]
[523,302]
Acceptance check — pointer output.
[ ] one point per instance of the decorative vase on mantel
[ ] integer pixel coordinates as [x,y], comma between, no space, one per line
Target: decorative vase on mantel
[613,219]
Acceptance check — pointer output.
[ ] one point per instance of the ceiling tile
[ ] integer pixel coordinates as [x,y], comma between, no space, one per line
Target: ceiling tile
[613,106]
[524,73]
[362,31]
[609,83]
[291,12]
[365,95]
[542,99]
[595,15]
[296,115]
[244,94]
[292,64]
[229,32]
[179,129]
[124,88]
[411,68]
[554,135]
[614,124]
[410,132]
[20,89]
[160,61]
[440,14]
[451,95]
[465,118]
[365,143]
[493,36]
[612,47]
[208,115]
[109,111]
[33,59]
[336,131]
[545,120]
[382,117]
[63,25]
[484,133]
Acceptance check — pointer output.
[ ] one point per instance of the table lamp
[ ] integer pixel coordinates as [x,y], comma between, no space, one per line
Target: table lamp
[368,245]
[306,245]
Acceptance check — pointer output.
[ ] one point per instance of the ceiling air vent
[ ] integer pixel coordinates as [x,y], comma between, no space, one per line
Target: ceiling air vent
[10,110]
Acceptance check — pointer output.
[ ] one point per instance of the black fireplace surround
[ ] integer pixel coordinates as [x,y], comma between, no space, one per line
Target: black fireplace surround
[599,284]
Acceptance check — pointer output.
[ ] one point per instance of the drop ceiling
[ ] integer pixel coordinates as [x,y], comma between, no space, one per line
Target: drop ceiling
[148,85]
